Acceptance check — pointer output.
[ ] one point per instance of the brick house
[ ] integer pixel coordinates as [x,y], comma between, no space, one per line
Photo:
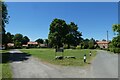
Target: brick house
[103,44]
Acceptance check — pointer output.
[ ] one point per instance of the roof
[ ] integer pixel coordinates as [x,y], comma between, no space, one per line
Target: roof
[102,42]
[31,42]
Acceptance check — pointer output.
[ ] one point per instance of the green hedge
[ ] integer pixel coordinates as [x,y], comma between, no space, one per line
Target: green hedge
[115,50]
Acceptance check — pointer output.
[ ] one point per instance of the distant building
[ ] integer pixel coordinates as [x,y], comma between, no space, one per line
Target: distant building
[103,44]
[32,44]
[25,45]
[10,44]
[43,45]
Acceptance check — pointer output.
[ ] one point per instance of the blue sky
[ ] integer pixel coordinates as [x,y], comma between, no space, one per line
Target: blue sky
[33,18]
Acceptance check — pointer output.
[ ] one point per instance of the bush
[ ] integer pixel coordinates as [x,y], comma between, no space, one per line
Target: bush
[115,50]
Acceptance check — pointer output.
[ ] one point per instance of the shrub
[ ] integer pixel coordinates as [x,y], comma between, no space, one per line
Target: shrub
[115,50]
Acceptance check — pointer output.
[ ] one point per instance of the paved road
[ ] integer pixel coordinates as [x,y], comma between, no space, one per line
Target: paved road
[104,66]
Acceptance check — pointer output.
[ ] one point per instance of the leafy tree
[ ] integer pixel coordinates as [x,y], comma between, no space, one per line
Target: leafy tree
[18,38]
[115,44]
[39,41]
[9,37]
[73,37]
[58,31]
[116,28]
[4,20]
[17,44]
[91,43]
[85,44]
[116,41]
[25,40]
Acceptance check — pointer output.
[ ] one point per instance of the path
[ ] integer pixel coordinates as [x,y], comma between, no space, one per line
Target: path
[105,65]
[34,68]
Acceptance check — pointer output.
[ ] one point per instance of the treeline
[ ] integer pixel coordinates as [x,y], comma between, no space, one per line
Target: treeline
[17,39]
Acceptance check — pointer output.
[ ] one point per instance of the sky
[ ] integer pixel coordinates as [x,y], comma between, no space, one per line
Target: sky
[33,19]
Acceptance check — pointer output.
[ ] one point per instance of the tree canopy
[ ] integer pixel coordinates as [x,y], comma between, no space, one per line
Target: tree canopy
[25,39]
[115,44]
[39,41]
[62,33]
[4,20]
[116,28]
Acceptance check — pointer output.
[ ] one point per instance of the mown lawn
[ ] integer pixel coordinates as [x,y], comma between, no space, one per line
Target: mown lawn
[48,55]
[5,71]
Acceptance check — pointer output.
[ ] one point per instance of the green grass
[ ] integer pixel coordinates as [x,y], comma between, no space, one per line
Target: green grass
[3,51]
[48,55]
[5,71]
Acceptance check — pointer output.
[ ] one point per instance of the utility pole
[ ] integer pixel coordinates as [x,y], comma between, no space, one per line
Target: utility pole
[107,41]
[107,37]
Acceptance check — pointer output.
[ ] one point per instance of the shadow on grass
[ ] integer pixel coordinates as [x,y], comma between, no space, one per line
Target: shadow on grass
[13,57]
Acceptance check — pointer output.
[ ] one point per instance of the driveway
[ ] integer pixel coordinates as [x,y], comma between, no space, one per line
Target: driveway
[105,65]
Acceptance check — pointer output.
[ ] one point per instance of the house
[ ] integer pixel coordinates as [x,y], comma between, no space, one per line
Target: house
[10,44]
[32,44]
[43,45]
[24,45]
[103,44]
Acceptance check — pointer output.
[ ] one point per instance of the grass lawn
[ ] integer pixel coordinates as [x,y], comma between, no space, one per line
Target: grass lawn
[48,55]
[5,71]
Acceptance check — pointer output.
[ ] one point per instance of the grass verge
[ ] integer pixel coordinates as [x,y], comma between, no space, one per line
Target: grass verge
[5,71]
[48,55]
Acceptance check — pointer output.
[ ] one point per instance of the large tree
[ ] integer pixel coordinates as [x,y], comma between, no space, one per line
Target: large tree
[74,36]
[58,31]
[62,33]
[3,20]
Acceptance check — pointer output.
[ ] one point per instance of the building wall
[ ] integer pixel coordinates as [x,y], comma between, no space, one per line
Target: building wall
[103,45]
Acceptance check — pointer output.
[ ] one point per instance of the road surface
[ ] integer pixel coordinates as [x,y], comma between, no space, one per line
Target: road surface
[104,65]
